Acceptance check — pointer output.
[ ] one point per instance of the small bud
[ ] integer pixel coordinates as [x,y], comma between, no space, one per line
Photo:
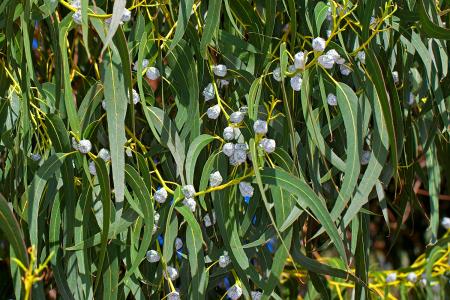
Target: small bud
[144,64]
[331,99]
[208,92]
[126,15]
[188,191]
[108,22]
[173,296]
[228,133]
[156,217]
[128,152]
[328,32]
[326,61]
[213,112]
[300,60]
[365,157]
[92,169]
[77,17]
[329,14]
[391,277]
[296,83]
[345,70]
[445,223]
[228,149]
[243,109]
[178,243]
[104,104]
[152,256]
[220,70]
[215,179]
[172,273]
[237,117]
[318,44]
[160,195]
[234,292]
[224,260]
[276,74]
[361,57]
[292,69]
[207,219]
[76,4]
[35,156]
[268,145]
[256,295]
[104,154]
[223,83]
[436,288]
[84,146]
[136,97]
[395,77]
[190,203]
[411,99]
[340,61]
[334,54]
[153,73]
[373,21]
[411,277]
[246,189]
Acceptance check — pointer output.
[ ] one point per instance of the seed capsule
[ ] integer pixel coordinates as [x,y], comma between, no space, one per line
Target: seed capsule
[152,256]
[318,44]
[160,195]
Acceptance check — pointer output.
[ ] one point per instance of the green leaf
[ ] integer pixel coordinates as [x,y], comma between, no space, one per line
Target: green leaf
[166,134]
[211,26]
[116,107]
[374,71]
[118,7]
[194,244]
[320,15]
[143,194]
[306,199]
[36,189]
[348,104]
[428,27]
[12,231]
[184,13]
[195,148]
[105,194]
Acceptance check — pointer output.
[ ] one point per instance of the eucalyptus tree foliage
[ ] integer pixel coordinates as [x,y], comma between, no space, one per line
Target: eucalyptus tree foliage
[190,149]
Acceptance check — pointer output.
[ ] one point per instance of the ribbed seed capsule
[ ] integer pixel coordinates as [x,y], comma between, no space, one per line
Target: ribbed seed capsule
[152,73]
[188,191]
[152,256]
[213,112]
[234,292]
[228,133]
[220,70]
[326,61]
[228,149]
[260,127]
[224,260]
[160,195]
[190,203]
[331,99]
[84,146]
[318,44]
[215,179]
[246,189]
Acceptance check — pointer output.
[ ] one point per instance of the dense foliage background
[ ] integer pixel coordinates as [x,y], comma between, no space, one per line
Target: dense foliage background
[341,196]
